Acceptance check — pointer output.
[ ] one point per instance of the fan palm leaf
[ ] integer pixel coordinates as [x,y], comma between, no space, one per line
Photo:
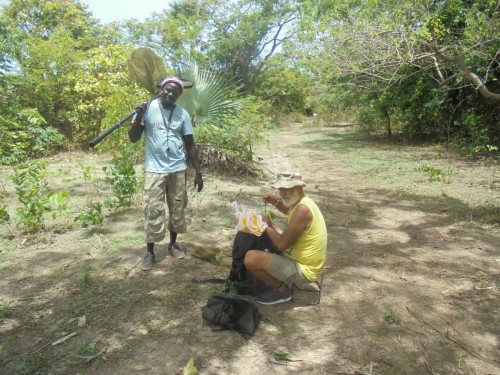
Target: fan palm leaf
[212,99]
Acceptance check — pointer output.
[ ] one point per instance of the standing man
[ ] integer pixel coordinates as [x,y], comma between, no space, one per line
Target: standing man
[305,236]
[168,133]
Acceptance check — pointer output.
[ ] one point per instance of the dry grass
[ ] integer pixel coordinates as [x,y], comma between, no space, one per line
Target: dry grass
[398,248]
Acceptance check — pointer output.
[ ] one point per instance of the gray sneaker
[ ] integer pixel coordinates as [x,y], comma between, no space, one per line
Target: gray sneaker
[176,251]
[147,261]
[274,296]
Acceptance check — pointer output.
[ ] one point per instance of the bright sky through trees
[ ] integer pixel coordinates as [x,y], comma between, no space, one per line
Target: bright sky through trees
[115,10]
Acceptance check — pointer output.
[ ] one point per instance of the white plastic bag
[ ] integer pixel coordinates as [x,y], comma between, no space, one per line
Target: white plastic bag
[248,221]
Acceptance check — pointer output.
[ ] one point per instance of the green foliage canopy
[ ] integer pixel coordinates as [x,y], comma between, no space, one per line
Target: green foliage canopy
[425,69]
[429,66]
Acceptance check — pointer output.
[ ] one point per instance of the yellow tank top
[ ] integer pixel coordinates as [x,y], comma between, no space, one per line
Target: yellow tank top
[310,248]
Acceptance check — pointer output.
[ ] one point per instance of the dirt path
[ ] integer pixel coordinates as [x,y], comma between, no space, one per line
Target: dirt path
[407,289]
[388,260]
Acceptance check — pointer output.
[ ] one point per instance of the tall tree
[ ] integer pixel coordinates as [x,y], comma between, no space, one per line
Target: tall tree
[176,34]
[236,37]
[69,68]
[436,64]
[44,17]
[246,34]
[373,41]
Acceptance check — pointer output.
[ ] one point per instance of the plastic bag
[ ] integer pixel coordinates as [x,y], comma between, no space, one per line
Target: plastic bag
[249,221]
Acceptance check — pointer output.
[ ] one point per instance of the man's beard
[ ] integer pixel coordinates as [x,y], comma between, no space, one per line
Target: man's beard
[292,199]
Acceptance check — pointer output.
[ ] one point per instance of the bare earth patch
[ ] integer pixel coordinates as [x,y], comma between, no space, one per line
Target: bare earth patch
[411,284]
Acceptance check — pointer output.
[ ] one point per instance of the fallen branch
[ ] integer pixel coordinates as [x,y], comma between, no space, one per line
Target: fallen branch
[429,368]
[485,288]
[457,342]
[89,359]
[62,339]
[135,265]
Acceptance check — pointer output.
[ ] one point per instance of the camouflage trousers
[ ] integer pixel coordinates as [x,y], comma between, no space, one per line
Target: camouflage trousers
[161,188]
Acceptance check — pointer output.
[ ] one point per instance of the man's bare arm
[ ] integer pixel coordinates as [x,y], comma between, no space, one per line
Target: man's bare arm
[300,221]
[135,132]
[136,129]
[193,156]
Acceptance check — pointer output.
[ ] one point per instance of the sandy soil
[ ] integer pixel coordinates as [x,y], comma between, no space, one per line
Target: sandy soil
[407,289]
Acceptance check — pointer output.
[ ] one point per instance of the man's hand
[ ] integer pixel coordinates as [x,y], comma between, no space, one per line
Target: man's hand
[276,202]
[198,181]
[266,219]
[271,198]
[139,112]
[141,108]
[135,130]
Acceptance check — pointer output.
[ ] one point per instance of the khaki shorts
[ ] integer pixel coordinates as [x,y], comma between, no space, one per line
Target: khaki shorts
[158,189]
[288,271]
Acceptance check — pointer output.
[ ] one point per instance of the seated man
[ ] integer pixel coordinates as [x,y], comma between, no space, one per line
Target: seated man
[305,236]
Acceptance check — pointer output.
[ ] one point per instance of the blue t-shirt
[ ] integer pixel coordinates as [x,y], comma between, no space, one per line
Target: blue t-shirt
[165,149]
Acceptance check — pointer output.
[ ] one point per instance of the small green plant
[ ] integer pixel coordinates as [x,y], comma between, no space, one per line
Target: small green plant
[122,178]
[390,316]
[86,278]
[86,350]
[228,289]
[435,174]
[4,214]
[31,185]
[283,356]
[88,172]
[4,311]
[93,215]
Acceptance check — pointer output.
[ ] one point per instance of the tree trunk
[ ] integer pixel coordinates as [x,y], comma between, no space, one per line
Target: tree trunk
[388,121]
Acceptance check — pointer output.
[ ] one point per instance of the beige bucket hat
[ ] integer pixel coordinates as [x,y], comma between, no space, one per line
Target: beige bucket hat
[288,180]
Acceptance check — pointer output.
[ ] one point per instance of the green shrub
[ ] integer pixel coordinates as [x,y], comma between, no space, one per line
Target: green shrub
[31,185]
[122,177]
[390,316]
[4,311]
[92,216]
[4,214]
[435,174]
[27,136]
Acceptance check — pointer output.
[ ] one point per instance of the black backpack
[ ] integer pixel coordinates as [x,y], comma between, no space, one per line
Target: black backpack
[222,313]
[240,279]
